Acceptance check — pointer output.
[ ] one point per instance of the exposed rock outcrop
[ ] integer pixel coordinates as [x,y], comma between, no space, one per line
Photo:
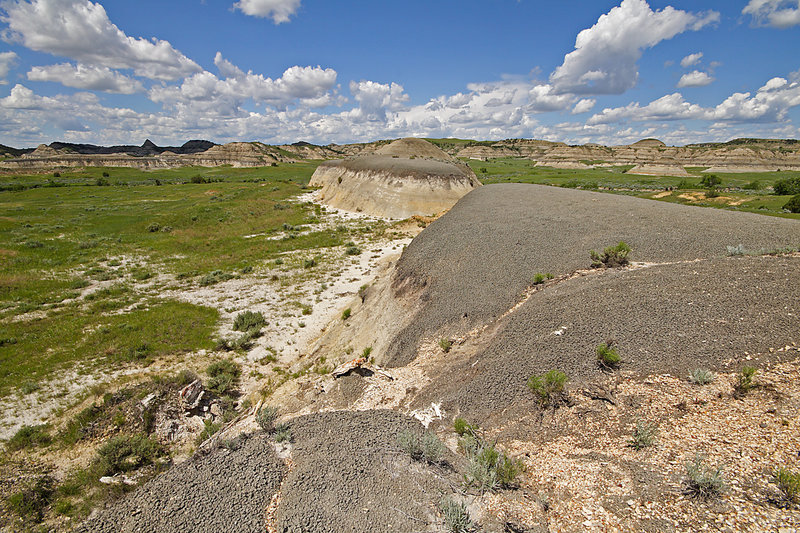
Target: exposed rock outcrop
[149,156]
[422,181]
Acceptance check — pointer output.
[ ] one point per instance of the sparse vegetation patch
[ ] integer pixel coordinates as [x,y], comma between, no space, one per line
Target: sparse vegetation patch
[548,387]
[456,517]
[700,376]
[612,256]
[704,481]
[607,355]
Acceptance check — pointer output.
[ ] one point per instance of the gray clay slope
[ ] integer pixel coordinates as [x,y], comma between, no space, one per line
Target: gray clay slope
[475,262]
[349,475]
[665,319]
[224,491]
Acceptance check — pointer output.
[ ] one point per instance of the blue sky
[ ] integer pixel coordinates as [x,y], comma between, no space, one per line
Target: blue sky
[277,71]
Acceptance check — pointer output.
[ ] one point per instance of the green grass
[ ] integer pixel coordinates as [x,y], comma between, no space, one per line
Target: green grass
[613,179]
[72,339]
[57,240]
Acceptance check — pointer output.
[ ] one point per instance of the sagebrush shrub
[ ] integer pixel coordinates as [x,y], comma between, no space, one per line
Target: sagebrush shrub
[700,376]
[249,320]
[124,453]
[644,435]
[282,433]
[426,446]
[704,481]
[456,517]
[612,256]
[489,469]
[266,416]
[223,376]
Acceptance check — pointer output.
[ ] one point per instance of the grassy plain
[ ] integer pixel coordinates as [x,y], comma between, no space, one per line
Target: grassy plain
[80,262]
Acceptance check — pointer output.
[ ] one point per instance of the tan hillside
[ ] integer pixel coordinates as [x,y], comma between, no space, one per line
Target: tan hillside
[407,177]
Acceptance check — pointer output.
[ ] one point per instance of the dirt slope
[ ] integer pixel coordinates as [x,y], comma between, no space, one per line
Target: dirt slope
[223,491]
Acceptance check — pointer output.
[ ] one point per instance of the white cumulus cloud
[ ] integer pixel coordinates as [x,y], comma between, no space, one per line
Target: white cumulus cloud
[7,60]
[375,99]
[696,78]
[86,77]
[691,60]
[605,55]
[81,30]
[279,10]
[777,13]
[771,103]
[583,106]
[205,90]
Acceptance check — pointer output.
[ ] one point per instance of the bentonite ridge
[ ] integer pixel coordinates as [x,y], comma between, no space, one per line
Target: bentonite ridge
[472,264]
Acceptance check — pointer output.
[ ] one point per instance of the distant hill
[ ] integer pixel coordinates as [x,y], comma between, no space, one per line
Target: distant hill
[146,149]
[8,151]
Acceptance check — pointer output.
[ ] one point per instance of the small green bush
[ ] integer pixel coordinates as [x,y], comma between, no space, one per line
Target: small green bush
[445,344]
[249,320]
[154,227]
[266,416]
[540,278]
[309,263]
[32,501]
[214,277]
[685,184]
[456,517]
[701,376]
[223,376]
[613,256]
[462,427]
[704,481]
[788,483]
[745,381]
[793,205]
[353,250]
[346,313]
[787,186]
[29,437]
[102,182]
[198,179]
[209,429]
[547,386]
[124,453]
[607,356]
[754,185]
[644,435]
[710,181]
